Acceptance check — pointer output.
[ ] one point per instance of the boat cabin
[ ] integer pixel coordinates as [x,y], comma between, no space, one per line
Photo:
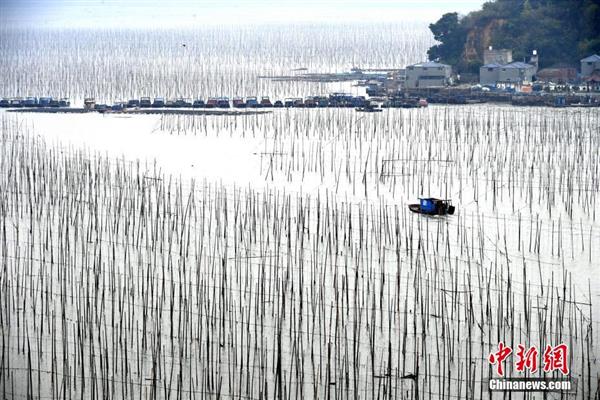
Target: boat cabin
[211,103]
[428,205]
[252,102]
[44,101]
[223,102]
[265,102]
[432,206]
[238,102]
[88,103]
[30,102]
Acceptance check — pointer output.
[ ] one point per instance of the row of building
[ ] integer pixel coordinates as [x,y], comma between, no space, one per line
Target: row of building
[500,70]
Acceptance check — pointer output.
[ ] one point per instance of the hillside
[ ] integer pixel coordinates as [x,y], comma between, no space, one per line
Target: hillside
[563,31]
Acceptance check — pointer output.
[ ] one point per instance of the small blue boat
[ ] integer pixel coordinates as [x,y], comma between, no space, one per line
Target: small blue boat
[432,206]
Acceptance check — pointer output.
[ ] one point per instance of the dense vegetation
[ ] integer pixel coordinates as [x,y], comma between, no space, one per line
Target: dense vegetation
[563,32]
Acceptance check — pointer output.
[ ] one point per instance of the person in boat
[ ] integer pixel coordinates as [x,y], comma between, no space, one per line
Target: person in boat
[432,206]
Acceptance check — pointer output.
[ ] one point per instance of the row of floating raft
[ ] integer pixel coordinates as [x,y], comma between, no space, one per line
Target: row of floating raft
[42,102]
[333,100]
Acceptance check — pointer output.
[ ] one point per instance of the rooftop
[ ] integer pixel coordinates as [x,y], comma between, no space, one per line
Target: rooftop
[592,58]
[492,65]
[512,65]
[518,65]
[429,64]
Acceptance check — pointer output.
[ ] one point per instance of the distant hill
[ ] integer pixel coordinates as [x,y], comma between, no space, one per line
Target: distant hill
[562,31]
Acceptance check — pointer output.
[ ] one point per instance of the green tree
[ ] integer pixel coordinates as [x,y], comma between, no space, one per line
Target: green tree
[451,35]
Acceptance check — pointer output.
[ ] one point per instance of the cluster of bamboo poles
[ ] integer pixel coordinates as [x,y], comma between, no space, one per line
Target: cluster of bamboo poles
[119,281]
[511,159]
[113,64]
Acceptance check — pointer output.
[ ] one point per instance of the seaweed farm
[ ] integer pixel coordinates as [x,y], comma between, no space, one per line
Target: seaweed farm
[273,255]
[109,64]
[121,280]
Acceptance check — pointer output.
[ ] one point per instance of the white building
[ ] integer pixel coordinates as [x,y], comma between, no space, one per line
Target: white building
[516,73]
[489,74]
[513,74]
[428,75]
[589,65]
